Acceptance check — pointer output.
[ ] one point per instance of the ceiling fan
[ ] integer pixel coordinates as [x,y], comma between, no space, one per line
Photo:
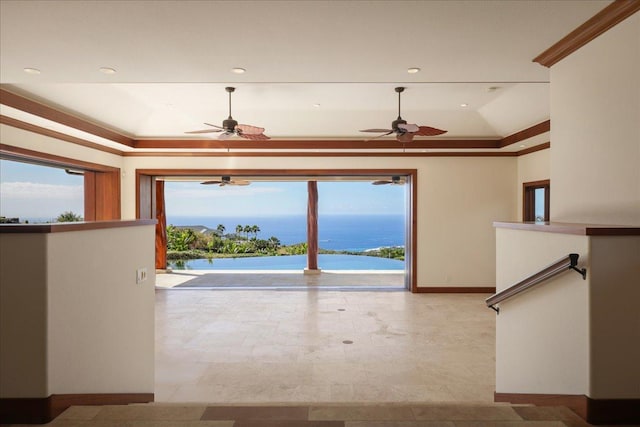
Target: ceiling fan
[395,180]
[226,180]
[231,127]
[405,131]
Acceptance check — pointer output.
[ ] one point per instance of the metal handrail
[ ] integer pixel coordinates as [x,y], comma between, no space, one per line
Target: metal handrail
[567,263]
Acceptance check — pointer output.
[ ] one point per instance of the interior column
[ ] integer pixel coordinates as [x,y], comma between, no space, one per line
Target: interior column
[312,228]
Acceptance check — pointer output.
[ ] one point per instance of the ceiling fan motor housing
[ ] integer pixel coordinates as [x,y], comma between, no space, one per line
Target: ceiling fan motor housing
[395,123]
[229,124]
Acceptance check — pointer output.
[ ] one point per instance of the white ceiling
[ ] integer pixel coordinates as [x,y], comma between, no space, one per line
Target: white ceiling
[173,60]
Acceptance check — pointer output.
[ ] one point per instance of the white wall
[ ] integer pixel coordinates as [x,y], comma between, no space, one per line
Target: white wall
[44,144]
[532,167]
[542,335]
[73,318]
[459,198]
[100,322]
[595,130]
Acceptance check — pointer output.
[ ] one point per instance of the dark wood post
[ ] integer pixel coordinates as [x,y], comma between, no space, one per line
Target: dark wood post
[161,227]
[312,227]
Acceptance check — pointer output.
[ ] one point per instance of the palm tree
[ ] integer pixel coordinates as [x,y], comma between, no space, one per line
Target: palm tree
[68,216]
[247,229]
[239,229]
[221,229]
[274,242]
[255,230]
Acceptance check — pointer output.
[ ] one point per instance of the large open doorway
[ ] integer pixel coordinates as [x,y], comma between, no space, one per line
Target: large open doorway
[151,191]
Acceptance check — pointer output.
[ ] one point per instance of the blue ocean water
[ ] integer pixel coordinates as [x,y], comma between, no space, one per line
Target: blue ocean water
[292,262]
[336,232]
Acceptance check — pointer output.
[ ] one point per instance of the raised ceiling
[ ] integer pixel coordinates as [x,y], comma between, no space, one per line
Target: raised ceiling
[174,58]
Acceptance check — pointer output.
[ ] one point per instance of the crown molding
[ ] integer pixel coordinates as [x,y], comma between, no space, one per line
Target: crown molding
[607,18]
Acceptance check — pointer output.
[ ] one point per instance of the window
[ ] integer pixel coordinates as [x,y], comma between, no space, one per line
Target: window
[536,200]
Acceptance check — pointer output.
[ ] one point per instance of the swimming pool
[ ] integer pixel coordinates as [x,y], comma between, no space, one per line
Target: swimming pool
[290,262]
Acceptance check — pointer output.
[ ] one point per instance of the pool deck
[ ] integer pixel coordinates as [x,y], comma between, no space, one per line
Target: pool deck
[280,279]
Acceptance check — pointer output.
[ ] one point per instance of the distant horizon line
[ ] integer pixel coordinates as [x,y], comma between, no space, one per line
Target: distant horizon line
[281,215]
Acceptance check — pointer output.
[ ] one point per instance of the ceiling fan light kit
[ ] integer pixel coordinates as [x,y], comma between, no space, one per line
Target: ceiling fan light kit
[231,127]
[405,131]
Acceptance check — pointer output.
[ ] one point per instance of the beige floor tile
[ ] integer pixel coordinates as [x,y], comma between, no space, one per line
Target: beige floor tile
[399,424]
[461,412]
[361,413]
[149,413]
[79,413]
[509,424]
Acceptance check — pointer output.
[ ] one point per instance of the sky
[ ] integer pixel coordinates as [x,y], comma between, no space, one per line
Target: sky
[32,191]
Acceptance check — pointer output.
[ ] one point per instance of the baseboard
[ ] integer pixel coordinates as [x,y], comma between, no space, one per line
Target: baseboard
[43,410]
[594,411]
[455,290]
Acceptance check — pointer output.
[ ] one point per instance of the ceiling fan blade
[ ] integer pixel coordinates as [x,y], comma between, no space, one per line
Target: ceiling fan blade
[429,131]
[250,130]
[239,182]
[376,130]
[382,182]
[205,131]
[215,126]
[409,127]
[379,136]
[405,137]
[259,137]
[210,182]
[225,135]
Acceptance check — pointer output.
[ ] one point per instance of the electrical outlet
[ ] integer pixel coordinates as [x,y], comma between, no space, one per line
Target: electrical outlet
[141,275]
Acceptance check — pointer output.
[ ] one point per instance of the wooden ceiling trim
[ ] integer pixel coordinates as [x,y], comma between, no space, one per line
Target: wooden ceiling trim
[607,18]
[306,173]
[527,133]
[318,154]
[313,144]
[21,103]
[18,153]
[10,121]
[534,149]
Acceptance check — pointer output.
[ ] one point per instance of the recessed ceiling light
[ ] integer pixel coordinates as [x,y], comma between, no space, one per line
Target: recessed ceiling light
[413,70]
[316,105]
[522,145]
[107,70]
[238,70]
[33,71]
[464,105]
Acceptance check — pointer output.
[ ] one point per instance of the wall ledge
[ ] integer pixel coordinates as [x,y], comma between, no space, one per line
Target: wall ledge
[72,226]
[571,228]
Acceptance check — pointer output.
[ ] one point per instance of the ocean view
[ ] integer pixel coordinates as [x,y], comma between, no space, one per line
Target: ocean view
[336,232]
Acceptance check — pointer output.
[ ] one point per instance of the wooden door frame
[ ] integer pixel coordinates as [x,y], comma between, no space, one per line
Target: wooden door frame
[145,196]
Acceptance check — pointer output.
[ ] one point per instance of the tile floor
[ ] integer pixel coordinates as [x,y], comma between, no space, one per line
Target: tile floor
[267,346]
[363,415]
